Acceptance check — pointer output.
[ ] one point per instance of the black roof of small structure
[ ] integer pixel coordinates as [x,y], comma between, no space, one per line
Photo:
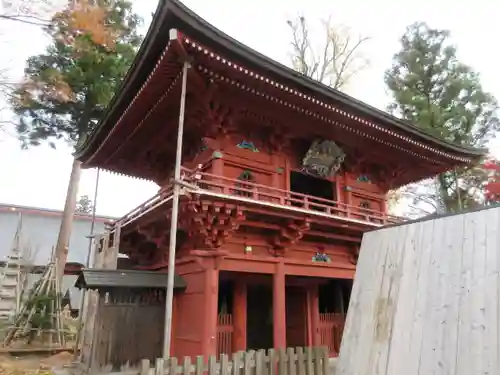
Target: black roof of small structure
[172,14]
[93,278]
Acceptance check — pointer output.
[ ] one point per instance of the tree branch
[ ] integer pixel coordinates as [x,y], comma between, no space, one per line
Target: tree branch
[336,61]
[26,19]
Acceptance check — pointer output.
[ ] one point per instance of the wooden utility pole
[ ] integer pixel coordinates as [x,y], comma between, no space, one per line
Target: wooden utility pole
[62,245]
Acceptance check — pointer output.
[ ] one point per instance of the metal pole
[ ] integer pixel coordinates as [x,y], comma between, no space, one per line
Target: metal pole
[87,265]
[173,223]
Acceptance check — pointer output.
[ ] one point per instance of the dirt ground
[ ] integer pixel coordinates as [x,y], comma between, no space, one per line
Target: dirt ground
[32,364]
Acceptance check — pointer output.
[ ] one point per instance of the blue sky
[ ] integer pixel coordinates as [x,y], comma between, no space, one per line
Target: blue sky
[39,176]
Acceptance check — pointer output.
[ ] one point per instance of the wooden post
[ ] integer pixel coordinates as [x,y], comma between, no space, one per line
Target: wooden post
[347,193]
[338,190]
[240,316]
[309,321]
[279,316]
[63,238]
[314,304]
[209,344]
[218,170]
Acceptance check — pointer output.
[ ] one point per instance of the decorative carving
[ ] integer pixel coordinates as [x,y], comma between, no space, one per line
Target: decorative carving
[208,224]
[158,233]
[217,155]
[203,145]
[219,119]
[323,159]
[140,249]
[388,177]
[246,145]
[363,178]
[276,139]
[290,235]
[321,257]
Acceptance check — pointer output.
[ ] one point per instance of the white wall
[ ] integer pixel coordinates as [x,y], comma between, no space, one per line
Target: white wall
[40,232]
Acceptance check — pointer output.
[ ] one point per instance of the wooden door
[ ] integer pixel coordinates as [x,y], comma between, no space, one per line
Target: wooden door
[296,316]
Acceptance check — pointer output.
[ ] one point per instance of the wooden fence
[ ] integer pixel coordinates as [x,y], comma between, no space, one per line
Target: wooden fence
[225,330]
[331,326]
[292,361]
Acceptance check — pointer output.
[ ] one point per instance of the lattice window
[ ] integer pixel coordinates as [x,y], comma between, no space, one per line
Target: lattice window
[365,205]
[365,208]
[244,177]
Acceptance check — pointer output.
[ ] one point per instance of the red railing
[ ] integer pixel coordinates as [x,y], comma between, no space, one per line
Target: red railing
[224,334]
[156,200]
[279,197]
[210,184]
[331,327]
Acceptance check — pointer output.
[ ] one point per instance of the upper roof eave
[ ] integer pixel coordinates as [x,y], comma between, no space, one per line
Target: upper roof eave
[172,14]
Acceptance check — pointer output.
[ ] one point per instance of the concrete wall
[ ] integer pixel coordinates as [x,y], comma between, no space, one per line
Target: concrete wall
[426,299]
[40,228]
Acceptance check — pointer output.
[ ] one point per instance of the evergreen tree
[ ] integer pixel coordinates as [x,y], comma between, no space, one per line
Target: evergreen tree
[84,205]
[67,88]
[434,91]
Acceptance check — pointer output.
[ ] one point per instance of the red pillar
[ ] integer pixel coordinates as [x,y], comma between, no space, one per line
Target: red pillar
[279,317]
[240,316]
[209,344]
[313,302]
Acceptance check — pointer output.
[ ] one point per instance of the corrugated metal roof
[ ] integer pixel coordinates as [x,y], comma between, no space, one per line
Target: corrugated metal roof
[91,278]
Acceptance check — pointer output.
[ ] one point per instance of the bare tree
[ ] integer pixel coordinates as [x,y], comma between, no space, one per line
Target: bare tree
[336,59]
[31,12]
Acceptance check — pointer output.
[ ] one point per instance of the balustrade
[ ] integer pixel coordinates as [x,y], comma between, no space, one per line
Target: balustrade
[195,181]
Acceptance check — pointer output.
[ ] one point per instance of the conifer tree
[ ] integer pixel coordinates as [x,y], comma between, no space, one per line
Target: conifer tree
[67,89]
[84,205]
[434,91]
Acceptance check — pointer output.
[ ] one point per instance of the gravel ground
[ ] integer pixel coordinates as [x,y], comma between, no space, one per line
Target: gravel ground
[32,365]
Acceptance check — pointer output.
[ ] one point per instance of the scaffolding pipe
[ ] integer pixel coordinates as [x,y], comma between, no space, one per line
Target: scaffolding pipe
[175,215]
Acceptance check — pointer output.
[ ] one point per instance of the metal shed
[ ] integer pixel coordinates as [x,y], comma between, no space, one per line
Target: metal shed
[426,298]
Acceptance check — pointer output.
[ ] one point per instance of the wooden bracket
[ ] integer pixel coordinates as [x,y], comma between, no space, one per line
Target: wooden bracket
[354,254]
[290,235]
[209,224]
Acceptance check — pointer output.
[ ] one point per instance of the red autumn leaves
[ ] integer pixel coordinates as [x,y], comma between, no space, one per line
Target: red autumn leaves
[492,187]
